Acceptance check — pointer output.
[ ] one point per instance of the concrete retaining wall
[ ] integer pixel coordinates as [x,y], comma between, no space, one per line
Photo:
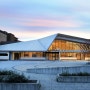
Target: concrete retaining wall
[71,86]
[60,70]
[19,86]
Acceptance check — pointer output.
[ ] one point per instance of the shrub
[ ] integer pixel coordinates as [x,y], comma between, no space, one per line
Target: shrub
[1,79]
[75,74]
[12,77]
[5,72]
[16,78]
[65,74]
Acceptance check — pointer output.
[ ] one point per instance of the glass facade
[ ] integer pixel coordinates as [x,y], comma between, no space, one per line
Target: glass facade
[67,45]
[70,50]
[27,55]
[59,50]
[52,55]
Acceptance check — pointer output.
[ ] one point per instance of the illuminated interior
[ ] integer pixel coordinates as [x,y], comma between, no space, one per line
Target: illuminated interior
[54,47]
[59,50]
[27,55]
[69,50]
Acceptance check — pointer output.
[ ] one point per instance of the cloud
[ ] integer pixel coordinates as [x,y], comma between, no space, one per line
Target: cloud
[24,35]
[47,24]
[29,19]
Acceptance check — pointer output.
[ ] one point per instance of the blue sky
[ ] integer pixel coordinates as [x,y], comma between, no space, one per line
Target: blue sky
[31,19]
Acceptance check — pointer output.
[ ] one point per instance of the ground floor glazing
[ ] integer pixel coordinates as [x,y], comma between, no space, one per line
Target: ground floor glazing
[45,55]
[51,55]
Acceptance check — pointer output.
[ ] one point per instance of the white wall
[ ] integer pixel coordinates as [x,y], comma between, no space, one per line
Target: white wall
[4,57]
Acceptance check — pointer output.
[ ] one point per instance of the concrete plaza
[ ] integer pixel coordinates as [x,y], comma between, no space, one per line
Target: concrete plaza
[48,81]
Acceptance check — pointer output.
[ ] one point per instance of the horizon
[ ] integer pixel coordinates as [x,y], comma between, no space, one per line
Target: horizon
[29,20]
[47,36]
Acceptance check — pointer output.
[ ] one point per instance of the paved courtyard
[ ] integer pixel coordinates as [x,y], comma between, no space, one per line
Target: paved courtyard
[48,82]
[24,65]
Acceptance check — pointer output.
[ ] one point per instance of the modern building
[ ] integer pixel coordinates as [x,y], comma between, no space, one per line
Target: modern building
[6,37]
[54,47]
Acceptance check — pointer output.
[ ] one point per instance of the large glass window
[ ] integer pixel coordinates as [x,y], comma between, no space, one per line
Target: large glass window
[52,55]
[3,54]
[28,54]
[67,45]
[73,46]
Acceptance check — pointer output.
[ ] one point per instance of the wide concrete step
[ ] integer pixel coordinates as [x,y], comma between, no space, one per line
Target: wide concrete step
[59,70]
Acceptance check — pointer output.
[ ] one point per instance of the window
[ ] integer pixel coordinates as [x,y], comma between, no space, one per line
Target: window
[3,54]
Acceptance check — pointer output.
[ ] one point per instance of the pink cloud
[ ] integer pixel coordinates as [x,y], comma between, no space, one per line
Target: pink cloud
[51,23]
[31,35]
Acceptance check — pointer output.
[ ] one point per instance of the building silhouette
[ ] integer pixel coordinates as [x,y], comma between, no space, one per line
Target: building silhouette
[6,38]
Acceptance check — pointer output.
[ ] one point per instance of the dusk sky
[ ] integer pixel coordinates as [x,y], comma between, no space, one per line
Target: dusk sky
[31,19]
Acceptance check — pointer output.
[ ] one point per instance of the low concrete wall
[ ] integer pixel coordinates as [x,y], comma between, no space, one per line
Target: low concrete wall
[19,86]
[60,70]
[70,86]
[73,79]
[33,58]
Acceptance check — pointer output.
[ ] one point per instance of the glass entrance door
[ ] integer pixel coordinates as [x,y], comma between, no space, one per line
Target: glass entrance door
[80,56]
[52,55]
[16,56]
